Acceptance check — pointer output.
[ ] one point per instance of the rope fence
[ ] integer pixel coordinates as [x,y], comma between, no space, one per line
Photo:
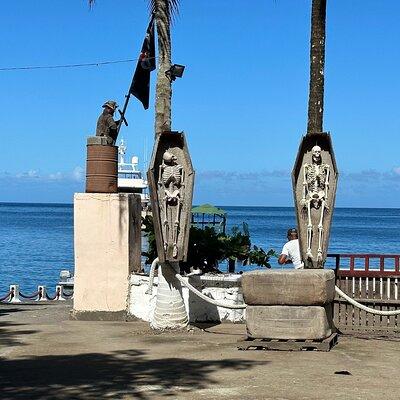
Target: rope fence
[365,308]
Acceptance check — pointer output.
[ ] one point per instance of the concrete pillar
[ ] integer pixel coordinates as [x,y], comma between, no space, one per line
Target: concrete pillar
[107,241]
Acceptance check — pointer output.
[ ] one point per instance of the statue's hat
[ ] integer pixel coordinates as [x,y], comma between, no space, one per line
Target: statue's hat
[111,104]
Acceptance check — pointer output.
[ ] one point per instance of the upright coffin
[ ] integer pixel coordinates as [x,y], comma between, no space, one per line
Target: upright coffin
[171,179]
[314,179]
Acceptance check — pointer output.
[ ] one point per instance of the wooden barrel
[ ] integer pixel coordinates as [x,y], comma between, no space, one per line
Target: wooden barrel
[101,169]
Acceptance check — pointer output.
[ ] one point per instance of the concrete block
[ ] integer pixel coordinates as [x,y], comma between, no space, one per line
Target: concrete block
[289,322]
[107,245]
[289,287]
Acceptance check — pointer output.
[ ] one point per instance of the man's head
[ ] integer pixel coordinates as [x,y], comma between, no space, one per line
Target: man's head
[110,106]
[292,234]
[316,154]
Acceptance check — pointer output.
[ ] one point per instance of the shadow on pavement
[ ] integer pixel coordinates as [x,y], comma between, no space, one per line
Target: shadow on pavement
[9,334]
[122,374]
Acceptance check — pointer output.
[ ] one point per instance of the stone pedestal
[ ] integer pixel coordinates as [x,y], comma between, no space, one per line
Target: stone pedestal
[107,241]
[289,304]
[288,322]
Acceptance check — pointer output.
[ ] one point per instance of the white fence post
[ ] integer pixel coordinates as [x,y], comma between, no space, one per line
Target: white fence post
[14,297]
[59,293]
[42,293]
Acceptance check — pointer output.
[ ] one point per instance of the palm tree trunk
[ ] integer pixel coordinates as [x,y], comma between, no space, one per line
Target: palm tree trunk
[317,65]
[170,311]
[163,86]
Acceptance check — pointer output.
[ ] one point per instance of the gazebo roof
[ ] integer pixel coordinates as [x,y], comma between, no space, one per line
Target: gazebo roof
[208,209]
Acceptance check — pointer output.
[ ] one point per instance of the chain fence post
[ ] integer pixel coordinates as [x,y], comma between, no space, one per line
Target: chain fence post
[42,293]
[14,298]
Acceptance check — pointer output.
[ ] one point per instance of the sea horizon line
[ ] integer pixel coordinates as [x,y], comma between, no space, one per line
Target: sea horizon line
[55,204]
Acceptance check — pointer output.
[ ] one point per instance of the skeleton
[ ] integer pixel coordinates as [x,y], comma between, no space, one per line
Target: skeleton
[315,195]
[171,183]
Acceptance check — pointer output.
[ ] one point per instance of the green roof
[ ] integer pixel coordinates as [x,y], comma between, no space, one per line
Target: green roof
[208,209]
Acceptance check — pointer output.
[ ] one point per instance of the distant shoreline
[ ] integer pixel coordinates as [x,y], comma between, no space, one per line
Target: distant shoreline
[221,206]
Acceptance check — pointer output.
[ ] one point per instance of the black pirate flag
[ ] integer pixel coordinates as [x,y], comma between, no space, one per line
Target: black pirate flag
[140,86]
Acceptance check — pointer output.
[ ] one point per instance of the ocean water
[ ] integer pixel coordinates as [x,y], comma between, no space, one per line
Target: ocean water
[36,240]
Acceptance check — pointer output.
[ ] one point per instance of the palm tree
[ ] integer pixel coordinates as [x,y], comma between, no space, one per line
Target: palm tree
[317,64]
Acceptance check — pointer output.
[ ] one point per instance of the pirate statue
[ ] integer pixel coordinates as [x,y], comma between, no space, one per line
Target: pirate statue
[106,126]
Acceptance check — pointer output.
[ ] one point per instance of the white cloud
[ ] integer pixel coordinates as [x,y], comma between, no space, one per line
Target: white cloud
[56,177]
[241,175]
[372,175]
[78,173]
[33,173]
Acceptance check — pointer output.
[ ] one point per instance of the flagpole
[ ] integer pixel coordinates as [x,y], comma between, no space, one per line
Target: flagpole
[147,47]
[123,120]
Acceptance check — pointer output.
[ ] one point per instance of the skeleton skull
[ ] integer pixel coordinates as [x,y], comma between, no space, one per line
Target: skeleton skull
[316,154]
[169,158]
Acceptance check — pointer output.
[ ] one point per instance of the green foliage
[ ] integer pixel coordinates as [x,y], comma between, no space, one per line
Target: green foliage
[259,257]
[237,245]
[151,253]
[207,247]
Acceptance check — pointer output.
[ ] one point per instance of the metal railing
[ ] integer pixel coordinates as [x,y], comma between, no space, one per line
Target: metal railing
[372,280]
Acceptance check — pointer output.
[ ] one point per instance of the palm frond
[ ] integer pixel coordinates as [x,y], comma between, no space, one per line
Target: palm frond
[91,3]
[172,7]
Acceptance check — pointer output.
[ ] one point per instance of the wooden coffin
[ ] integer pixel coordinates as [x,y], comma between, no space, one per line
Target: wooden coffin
[310,187]
[171,179]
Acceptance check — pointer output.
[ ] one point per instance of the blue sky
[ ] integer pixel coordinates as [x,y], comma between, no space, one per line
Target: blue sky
[242,101]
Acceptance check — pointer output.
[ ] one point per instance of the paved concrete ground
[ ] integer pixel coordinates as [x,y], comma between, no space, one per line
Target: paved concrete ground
[43,355]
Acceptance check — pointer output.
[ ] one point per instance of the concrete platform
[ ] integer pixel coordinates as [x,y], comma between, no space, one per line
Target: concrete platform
[44,355]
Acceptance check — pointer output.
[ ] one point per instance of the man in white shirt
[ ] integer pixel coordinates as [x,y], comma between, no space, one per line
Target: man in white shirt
[291,250]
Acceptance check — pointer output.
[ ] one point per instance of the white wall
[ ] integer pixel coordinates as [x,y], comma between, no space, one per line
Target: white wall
[224,288]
